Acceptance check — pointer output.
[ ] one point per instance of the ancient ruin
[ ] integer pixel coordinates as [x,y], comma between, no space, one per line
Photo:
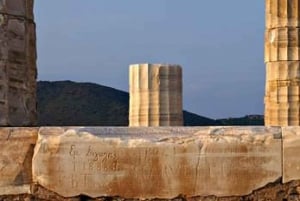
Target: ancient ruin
[155,95]
[157,162]
[282,57]
[148,163]
[17,63]
[138,163]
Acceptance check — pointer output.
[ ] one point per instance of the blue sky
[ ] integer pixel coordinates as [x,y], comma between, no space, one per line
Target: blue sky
[218,43]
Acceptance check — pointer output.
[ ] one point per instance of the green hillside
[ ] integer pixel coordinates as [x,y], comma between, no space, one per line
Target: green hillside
[69,103]
[242,121]
[66,103]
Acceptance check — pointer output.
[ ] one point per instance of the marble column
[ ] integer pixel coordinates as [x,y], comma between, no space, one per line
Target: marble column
[282,41]
[17,63]
[155,95]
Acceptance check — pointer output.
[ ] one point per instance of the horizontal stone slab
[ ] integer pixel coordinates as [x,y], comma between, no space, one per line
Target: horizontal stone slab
[16,151]
[157,162]
[291,150]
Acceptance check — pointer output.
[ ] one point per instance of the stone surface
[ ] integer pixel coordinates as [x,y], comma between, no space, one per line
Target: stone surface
[282,13]
[18,8]
[273,191]
[282,93]
[17,63]
[157,162]
[283,70]
[282,56]
[16,152]
[282,44]
[155,95]
[291,150]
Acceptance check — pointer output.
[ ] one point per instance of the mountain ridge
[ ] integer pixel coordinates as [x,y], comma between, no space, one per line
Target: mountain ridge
[68,103]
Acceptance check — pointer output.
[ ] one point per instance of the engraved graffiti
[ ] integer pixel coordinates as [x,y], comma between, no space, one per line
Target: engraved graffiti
[93,160]
[101,161]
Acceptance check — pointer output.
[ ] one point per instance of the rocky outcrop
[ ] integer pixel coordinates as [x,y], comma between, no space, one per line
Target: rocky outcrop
[273,191]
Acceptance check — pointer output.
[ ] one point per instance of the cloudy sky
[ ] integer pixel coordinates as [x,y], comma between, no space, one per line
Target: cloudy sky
[218,43]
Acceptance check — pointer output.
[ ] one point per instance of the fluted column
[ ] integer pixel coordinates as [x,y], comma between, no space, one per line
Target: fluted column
[155,95]
[17,63]
[282,55]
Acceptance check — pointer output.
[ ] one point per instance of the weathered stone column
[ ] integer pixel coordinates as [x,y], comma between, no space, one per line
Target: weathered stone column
[282,42]
[155,95]
[17,63]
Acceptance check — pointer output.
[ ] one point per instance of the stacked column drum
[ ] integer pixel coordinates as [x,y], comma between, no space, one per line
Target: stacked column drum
[17,63]
[155,95]
[282,42]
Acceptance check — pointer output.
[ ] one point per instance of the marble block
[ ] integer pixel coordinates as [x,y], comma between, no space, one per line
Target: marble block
[157,162]
[16,152]
[291,150]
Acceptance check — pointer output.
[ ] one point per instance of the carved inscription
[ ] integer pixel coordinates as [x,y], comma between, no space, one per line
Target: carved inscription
[101,161]
[101,168]
[87,166]
[92,160]
[141,165]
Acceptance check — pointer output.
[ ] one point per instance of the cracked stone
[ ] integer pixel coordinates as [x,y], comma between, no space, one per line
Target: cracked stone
[16,151]
[157,162]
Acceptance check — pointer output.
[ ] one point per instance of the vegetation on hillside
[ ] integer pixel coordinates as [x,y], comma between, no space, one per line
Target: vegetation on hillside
[66,103]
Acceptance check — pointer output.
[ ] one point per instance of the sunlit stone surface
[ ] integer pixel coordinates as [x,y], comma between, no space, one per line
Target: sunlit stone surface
[282,106]
[16,151]
[282,93]
[157,162]
[155,95]
[282,13]
[291,150]
[282,44]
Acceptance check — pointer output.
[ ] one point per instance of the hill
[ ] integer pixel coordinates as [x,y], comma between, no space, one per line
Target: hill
[243,121]
[66,103]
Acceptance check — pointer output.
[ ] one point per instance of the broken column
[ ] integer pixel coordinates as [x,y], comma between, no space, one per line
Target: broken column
[17,63]
[155,95]
[282,56]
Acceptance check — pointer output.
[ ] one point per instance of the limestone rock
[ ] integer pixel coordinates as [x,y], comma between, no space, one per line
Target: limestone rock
[16,151]
[155,95]
[291,149]
[273,191]
[157,162]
